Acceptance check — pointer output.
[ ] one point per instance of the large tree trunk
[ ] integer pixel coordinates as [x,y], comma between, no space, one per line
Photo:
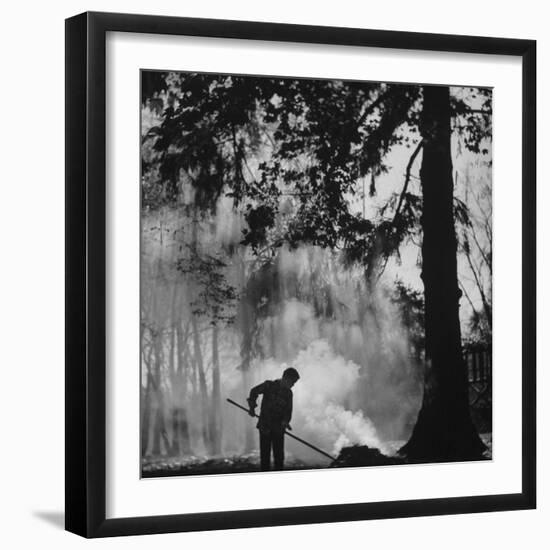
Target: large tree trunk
[444,429]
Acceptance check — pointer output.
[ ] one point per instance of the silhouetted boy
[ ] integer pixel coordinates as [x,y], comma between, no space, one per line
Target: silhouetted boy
[275,415]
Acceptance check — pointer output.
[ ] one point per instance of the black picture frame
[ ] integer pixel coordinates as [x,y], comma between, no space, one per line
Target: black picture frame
[86,274]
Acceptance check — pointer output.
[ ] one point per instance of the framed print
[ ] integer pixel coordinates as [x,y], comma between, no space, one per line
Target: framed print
[300,274]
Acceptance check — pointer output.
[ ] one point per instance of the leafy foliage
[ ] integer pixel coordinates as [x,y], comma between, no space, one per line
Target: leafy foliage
[215,297]
[291,152]
[411,305]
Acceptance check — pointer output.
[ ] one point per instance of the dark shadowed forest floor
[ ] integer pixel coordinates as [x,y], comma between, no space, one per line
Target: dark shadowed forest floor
[196,465]
[355,456]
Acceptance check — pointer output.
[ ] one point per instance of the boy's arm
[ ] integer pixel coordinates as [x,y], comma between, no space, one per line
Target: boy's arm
[253,397]
[288,415]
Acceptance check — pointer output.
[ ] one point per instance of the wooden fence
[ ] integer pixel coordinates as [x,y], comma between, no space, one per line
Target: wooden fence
[479,363]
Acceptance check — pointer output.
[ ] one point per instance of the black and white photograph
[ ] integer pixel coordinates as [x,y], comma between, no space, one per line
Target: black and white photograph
[315,273]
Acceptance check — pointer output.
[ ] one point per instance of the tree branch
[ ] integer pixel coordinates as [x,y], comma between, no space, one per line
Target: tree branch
[477,277]
[407,179]
[402,197]
[464,291]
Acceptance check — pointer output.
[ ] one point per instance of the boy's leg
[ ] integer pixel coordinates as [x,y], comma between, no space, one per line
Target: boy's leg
[279,449]
[265,450]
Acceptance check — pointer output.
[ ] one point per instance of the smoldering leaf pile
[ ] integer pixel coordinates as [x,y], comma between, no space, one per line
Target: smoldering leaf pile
[361,455]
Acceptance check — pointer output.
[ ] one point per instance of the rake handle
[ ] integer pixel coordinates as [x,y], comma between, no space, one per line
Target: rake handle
[286,432]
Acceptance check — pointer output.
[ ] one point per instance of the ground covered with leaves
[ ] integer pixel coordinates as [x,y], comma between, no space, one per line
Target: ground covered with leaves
[349,457]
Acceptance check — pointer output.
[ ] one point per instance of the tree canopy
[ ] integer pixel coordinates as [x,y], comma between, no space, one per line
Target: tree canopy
[292,152]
